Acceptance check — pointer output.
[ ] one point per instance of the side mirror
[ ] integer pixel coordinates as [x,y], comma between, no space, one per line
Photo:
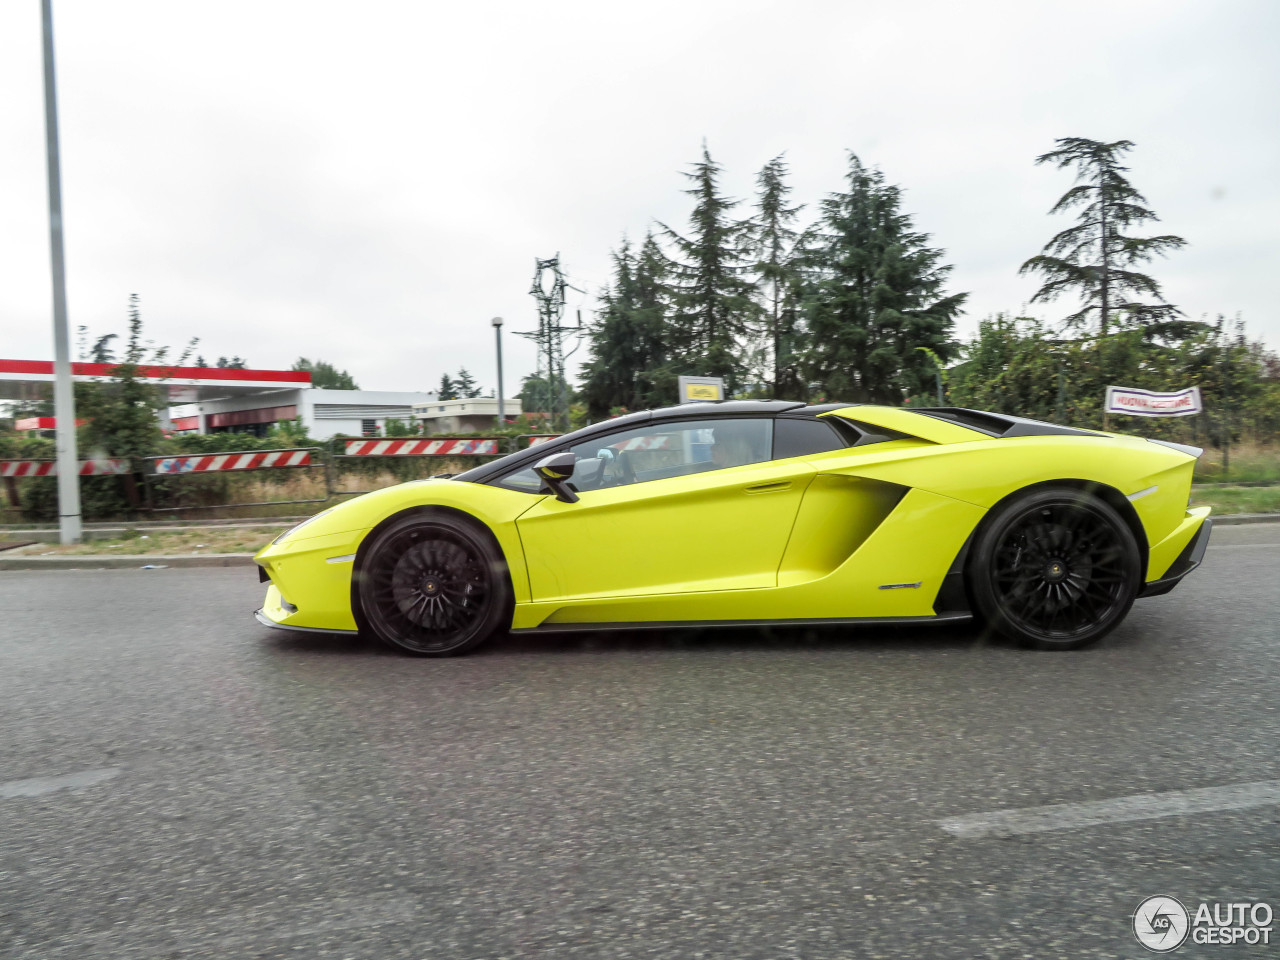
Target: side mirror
[555,472]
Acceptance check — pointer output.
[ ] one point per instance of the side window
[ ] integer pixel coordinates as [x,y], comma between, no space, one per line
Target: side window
[658,451]
[801,438]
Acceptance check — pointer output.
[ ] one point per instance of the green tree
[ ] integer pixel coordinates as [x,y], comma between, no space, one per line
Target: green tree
[875,295]
[448,389]
[465,385]
[713,298]
[1012,366]
[232,363]
[121,412]
[101,351]
[628,365]
[537,392]
[775,247]
[1096,258]
[324,376]
[401,428]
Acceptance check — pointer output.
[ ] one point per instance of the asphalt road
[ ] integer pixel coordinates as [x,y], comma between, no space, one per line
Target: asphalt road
[177,781]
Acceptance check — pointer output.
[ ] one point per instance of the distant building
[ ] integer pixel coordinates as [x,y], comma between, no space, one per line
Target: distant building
[232,400]
[324,413]
[463,416]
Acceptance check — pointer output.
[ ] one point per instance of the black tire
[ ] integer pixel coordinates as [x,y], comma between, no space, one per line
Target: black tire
[1055,568]
[433,586]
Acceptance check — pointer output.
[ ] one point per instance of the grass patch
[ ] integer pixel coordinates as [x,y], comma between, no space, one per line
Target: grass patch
[162,543]
[1250,463]
[1227,500]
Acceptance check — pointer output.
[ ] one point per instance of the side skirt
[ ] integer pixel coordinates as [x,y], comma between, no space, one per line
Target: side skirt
[698,624]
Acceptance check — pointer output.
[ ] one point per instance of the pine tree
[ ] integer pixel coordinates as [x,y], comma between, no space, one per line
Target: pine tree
[325,376]
[629,342]
[448,390]
[121,411]
[1096,258]
[101,351]
[775,246]
[713,299]
[875,297]
[465,385]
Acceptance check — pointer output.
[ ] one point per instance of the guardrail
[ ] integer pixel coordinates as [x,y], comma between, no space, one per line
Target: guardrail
[486,447]
[12,470]
[444,447]
[192,464]
[165,469]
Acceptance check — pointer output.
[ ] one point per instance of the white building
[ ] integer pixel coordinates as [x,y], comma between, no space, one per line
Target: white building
[324,413]
[463,416]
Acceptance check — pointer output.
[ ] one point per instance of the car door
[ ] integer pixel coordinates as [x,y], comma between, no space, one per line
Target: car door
[667,507]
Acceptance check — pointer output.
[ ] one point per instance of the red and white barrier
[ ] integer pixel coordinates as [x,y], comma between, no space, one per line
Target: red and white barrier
[423,448]
[49,468]
[660,442]
[209,463]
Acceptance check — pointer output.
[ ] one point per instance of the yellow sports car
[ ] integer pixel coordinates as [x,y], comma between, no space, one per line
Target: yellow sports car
[753,512]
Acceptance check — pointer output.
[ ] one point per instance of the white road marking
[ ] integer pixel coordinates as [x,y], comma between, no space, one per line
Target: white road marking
[39,786]
[1142,806]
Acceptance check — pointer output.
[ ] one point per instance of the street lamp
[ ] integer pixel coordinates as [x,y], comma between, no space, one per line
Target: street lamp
[497,332]
[64,401]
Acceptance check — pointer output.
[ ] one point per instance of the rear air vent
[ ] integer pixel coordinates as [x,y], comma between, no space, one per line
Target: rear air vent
[1001,425]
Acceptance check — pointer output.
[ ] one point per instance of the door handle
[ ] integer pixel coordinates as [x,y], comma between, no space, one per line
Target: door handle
[771,487]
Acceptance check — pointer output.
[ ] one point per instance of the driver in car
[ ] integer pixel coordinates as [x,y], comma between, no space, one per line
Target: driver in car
[732,448]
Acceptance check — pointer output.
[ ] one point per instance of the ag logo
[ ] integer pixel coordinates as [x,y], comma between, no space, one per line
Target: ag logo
[1161,924]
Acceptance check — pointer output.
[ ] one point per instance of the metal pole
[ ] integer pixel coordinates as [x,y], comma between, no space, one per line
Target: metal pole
[1226,407]
[497,331]
[64,401]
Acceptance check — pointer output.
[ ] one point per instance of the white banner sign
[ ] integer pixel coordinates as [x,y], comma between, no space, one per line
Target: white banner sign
[1145,403]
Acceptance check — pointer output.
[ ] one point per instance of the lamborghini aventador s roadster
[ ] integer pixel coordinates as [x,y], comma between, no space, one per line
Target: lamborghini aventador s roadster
[756,512]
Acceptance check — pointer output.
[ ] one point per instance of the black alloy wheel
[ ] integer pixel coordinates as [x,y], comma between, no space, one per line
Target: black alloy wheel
[433,586]
[1056,568]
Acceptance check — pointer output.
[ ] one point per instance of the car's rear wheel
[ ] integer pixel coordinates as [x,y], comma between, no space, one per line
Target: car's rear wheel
[1056,568]
[433,586]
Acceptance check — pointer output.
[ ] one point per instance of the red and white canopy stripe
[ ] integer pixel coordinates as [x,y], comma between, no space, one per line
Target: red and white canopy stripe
[422,448]
[49,468]
[209,463]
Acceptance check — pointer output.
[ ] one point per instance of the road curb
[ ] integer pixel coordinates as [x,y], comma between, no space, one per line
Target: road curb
[134,562]
[1229,519]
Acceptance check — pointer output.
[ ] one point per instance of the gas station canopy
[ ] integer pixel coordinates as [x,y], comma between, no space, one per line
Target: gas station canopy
[22,380]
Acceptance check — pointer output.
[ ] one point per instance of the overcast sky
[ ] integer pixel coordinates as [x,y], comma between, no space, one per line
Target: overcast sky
[368,183]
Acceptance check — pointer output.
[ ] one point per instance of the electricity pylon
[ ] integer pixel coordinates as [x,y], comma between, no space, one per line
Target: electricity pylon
[548,290]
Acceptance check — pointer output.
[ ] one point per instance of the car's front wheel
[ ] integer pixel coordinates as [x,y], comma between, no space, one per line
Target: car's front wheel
[1055,568]
[433,585]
